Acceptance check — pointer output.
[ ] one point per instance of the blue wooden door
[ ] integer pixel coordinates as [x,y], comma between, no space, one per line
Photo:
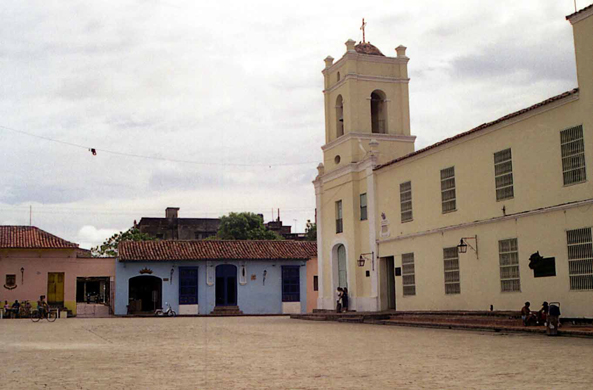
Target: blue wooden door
[226,285]
[188,285]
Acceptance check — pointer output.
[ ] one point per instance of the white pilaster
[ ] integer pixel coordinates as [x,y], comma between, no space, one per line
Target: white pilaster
[374,303]
[320,260]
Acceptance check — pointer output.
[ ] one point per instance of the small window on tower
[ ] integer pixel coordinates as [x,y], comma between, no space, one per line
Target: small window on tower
[338,76]
[339,116]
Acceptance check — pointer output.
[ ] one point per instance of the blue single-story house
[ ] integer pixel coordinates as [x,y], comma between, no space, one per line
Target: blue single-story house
[205,277]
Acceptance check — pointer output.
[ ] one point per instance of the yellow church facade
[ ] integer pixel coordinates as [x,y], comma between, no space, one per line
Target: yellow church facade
[487,219]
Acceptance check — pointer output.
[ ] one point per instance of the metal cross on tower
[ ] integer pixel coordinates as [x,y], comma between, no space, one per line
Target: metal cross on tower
[362,28]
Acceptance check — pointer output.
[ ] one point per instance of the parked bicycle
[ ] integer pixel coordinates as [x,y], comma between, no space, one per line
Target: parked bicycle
[169,312]
[50,315]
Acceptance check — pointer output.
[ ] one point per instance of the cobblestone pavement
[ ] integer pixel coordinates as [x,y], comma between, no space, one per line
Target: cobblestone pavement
[280,353]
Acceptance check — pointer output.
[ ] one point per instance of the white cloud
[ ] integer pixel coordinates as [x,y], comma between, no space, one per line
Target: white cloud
[89,236]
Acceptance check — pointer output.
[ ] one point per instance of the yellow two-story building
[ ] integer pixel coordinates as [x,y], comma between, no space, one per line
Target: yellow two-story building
[488,219]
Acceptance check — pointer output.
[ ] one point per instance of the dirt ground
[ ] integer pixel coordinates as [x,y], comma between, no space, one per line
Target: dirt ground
[280,353]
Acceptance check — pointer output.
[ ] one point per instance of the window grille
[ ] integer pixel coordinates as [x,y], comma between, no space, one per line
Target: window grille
[188,285]
[363,207]
[291,290]
[339,222]
[452,279]
[573,155]
[503,174]
[508,256]
[448,190]
[408,274]
[405,200]
[580,259]
[10,280]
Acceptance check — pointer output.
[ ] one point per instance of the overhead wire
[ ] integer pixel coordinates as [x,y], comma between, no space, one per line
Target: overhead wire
[207,163]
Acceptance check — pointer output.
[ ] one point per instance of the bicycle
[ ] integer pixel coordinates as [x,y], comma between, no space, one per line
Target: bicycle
[50,315]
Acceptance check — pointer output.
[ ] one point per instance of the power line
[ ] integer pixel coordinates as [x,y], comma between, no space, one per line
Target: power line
[94,150]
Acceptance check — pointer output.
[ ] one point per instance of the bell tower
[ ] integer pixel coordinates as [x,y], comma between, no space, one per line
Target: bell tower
[366,97]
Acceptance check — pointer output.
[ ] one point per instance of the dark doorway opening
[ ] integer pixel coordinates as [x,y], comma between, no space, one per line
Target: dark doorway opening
[92,289]
[387,283]
[226,285]
[145,294]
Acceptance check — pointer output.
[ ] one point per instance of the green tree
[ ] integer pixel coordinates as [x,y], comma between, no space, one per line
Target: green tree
[109,247]
[244,226]
[311,231]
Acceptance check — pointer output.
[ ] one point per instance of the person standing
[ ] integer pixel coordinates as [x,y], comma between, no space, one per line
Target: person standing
[345,299]
[339,301]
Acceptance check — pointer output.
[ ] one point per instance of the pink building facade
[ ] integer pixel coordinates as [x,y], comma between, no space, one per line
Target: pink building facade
[34,263]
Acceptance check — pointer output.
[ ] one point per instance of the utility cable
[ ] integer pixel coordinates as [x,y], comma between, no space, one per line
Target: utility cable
[95,150]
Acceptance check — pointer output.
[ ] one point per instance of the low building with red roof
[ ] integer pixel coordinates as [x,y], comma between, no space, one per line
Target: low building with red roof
[34,262]
[213,277]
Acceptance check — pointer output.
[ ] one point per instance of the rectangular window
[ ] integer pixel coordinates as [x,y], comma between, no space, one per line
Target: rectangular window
[339,224]
[448,190]
[188,285]
[291,291]
[408,274]
[580,259]
[315,283]
[452,280]
[508,256]
[10,280]
[363,207]
[405,201]
[503,174]
[573,155]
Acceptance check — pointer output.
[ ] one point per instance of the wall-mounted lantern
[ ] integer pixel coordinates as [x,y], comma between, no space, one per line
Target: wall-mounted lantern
[363,258]
[463,244]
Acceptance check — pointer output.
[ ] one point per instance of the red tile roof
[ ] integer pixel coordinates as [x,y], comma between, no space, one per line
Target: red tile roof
[216,250]
[579,11]
[30,237]
[481,127]
[368,49]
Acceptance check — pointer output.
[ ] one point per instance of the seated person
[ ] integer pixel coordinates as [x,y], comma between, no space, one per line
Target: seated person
[6,308]
[16,307]
[527,316]
[542,314]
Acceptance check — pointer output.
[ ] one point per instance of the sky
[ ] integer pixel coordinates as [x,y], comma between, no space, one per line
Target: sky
[217,106]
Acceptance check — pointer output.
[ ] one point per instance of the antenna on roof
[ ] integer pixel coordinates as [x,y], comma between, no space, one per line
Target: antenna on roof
[575,5]
[30,215]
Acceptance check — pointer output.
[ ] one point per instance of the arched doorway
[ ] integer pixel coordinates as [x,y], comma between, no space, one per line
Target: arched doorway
[378,112]
[342,269]
[226,285]
[145,293]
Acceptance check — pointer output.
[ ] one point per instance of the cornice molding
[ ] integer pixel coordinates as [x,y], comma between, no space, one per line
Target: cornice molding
[485,131]
[361,77]
[368,136]
[367,58]
[518,215]
[346,170]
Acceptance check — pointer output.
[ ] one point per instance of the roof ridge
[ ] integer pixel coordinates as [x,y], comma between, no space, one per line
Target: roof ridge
[480,127]
[568,17]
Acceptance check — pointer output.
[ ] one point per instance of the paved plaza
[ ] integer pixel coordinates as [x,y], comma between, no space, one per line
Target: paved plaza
[280,353]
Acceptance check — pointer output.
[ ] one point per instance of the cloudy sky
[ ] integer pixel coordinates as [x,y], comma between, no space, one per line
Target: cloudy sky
[225,97]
